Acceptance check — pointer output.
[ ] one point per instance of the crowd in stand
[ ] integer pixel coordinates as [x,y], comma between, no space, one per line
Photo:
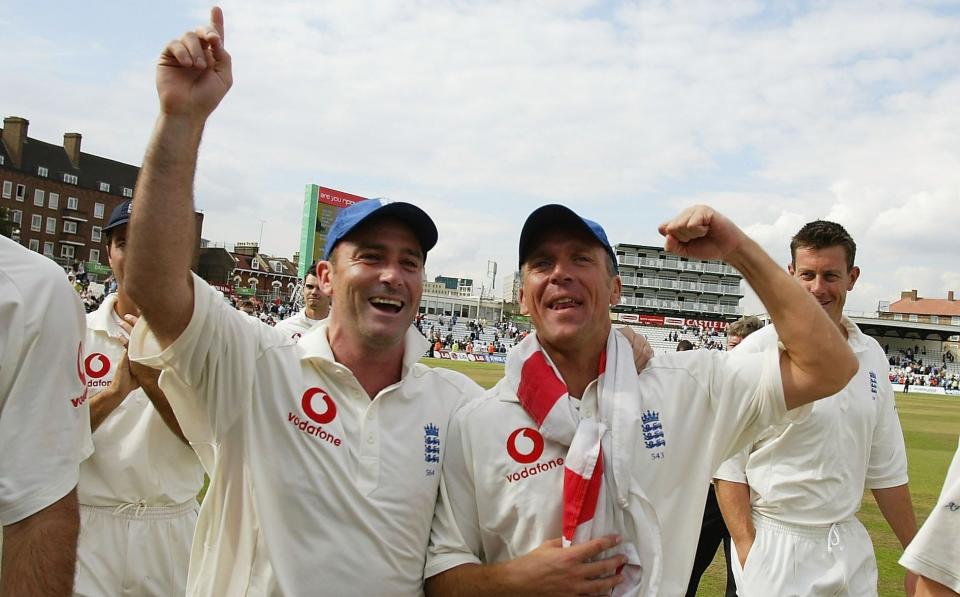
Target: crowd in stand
[907,368]
[442,335]
[700,336]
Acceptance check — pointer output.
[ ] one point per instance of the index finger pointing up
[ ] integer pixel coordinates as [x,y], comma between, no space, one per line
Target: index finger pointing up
[216,21]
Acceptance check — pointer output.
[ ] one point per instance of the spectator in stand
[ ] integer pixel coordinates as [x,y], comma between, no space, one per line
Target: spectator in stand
[684,345]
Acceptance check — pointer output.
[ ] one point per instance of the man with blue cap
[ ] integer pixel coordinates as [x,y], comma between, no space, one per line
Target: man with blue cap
[324,454]
[574,443]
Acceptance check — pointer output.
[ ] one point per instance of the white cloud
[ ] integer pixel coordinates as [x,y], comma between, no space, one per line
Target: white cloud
[480,111]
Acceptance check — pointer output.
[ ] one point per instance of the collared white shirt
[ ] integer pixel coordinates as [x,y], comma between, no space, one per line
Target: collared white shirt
[502,486]
[315,488]
[814,472]
[296,325]
[935,551]
[44,415]
[137,458]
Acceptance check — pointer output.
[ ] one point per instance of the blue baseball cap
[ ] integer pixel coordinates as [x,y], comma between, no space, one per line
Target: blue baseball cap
[120,215]
[363,211]
[558,217]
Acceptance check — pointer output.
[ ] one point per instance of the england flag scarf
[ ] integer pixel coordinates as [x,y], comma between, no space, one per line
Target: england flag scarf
[588,508]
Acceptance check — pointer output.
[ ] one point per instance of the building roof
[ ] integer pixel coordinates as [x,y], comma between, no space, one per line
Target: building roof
[93,168]
[925,306]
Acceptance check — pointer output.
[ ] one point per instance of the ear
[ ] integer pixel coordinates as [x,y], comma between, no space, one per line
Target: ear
[791,270]
[523,303]
[854,275]
[615,291]
[325,277]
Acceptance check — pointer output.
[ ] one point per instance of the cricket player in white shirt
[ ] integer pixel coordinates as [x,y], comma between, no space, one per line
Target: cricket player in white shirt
[573,443]
[796,489]
[44,423]
[316,307]
[138,491]
[934,554]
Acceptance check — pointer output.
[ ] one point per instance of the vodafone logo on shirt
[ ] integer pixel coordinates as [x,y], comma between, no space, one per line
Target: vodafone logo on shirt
[320,410]
[96,365]
[525,446]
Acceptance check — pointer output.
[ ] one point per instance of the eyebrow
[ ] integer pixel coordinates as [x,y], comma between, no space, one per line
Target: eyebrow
[382,247]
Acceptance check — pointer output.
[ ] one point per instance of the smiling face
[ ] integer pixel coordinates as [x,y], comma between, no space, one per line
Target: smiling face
[567,290]
[825,274]
[375,279]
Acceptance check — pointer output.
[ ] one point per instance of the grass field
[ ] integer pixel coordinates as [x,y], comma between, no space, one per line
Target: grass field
[930,428]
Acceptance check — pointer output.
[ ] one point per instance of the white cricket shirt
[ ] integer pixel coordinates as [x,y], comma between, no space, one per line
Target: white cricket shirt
[814,472]
[502,486]
[296,325]
[44,417]
[137,458]
[935,551]
[316,488]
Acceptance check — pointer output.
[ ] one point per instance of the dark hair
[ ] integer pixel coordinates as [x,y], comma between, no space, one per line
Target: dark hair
[311,271]
[684,345]
[744,326]
[821,234]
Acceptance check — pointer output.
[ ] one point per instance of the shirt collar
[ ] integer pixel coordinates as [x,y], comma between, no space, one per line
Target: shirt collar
[102,320]
[858,340]
[315,345]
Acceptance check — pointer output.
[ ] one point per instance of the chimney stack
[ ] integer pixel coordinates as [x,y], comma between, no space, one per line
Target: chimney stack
[908,294]
[71,144]
[950,296]
[14,136]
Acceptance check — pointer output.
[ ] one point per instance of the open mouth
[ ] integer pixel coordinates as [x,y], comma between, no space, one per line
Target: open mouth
[387,305]
[562,304]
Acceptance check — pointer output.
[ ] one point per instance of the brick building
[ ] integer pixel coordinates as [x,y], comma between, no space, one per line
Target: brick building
[917,309]
[60,198]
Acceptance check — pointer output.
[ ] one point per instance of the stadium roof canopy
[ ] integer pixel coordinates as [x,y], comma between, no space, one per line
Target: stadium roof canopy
[891,328]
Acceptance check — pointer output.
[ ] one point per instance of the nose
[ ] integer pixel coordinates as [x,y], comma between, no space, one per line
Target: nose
[390,273]
[560,271]
[818,286]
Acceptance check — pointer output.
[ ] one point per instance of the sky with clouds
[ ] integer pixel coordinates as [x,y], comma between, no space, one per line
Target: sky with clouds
[776,113]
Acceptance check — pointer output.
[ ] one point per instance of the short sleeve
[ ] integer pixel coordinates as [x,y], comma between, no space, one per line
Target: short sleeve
[455,537]
[887,466]
[44,417]
[734,469]
[213,363]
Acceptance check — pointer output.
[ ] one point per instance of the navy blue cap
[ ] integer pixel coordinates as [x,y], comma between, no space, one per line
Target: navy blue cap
[362,211]
[120,215]
[554,217]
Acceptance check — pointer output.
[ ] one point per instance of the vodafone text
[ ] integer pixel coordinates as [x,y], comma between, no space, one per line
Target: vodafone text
[540,467]
[311,429]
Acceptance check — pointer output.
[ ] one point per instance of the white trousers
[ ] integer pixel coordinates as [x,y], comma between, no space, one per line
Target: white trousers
[804,561]
[134,550]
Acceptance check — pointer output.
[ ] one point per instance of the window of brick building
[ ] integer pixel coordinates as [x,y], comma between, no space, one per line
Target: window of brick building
[94,255]
[34,245]
[70,227]
[66,251]
[95,234]
[72,203]
[21,192]
[42,171]
[70,178]
[105,187]
[51,225]
[98,210]
[38,197]
[7,189]
[36,222]
[48,248]
[53,200]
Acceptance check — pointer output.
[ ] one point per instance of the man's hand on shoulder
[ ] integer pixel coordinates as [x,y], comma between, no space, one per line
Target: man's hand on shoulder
[642,351]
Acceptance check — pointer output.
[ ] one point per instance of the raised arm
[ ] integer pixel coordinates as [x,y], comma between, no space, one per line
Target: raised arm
[193,74]
[817,361]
